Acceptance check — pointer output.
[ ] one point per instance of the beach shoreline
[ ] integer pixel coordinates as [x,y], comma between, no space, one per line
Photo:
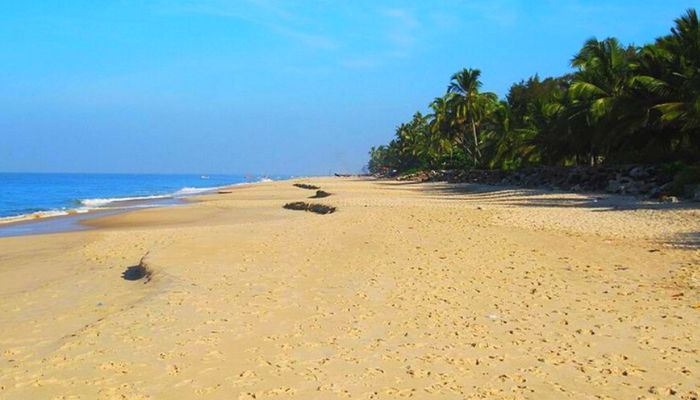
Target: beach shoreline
[427,290]
[66,220]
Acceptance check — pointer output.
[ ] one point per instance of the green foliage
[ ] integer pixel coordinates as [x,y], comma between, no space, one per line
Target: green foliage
[622,104]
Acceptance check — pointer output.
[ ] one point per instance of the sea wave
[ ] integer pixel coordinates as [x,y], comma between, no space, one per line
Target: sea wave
[189,191]
[87,205]
[43,214]
[183,192]
[96,203]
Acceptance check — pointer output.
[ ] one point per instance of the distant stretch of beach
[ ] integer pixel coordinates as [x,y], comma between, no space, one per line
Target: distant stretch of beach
[427,291]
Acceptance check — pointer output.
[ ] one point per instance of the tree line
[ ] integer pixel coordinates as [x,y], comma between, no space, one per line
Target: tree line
[622,104]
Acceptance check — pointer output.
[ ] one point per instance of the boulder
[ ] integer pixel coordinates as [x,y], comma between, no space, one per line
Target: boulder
[689,191]
[632,188]
[638,172]
[614,186]
[621,185]
[654,192]
[649,181]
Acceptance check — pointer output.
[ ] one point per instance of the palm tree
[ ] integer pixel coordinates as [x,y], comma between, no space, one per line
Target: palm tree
[623,104]
[601,88]
[683,46]
[441,125]
[508,146]
[471,106]
[669,80]
[418,138]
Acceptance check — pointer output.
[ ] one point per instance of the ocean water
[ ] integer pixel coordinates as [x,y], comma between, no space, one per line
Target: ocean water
[32,195]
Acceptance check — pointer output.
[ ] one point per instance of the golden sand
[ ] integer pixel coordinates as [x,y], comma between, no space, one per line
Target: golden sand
[428,291]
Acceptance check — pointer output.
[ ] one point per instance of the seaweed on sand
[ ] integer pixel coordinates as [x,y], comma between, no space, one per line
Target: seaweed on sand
[306,186]
[320,194]
[140,271]
[315,208]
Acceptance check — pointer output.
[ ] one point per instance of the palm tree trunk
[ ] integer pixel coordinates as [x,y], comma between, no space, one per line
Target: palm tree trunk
[477,152]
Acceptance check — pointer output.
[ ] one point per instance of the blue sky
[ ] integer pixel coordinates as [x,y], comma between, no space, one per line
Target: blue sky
[265,86]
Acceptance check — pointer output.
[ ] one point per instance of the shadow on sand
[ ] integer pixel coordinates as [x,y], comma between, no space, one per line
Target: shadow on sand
[688,240]
[479,194]
[516,196]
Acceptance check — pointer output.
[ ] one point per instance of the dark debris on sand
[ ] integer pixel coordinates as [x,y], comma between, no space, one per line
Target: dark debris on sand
[306,186]
[315,208]
[320,194]
[140,271]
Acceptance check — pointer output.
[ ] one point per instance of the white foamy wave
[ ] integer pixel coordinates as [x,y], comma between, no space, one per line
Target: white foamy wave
[191,191]
[43,214]
[88,205]
[185,191]
[188,191]
[93,203]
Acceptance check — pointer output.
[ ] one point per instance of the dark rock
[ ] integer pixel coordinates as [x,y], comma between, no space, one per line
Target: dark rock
[614,186]
[638,172]
[654,192]
[649,181]
[633,188]
[690,190]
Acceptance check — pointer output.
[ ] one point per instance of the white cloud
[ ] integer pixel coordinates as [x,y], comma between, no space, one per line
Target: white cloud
[268,14]
[397,36]
[402,32]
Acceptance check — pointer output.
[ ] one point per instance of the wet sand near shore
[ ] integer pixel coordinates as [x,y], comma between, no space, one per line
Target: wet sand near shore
[73,220]
[407,290]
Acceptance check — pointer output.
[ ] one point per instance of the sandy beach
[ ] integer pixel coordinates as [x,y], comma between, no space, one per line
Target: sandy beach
[429,291]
